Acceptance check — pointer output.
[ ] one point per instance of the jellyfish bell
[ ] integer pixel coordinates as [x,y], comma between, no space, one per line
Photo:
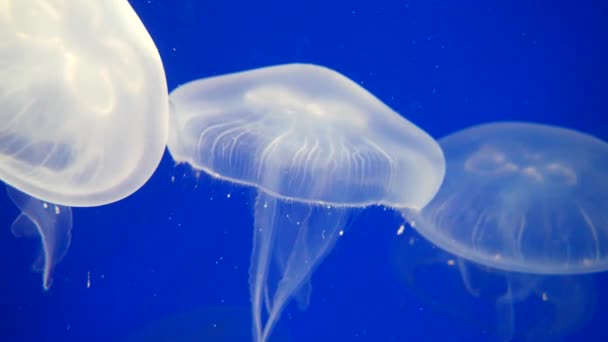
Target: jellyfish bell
[83,112]
[83,101]
[308,125]
[522,197]
[316,146]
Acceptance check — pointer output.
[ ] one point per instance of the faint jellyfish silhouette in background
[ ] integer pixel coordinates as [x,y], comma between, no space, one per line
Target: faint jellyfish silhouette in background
[317,147]
[527,307]
[207,323]
[83,109]
[521,197]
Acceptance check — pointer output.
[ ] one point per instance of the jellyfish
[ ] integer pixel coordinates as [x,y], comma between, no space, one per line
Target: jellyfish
[317,147]
[83,109]
[522,197]
[525,199]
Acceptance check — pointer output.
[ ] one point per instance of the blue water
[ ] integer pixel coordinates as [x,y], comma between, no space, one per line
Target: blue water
[170,262]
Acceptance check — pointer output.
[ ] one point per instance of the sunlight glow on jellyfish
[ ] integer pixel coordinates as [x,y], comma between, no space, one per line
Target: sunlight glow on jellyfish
[83,108]
[317,146]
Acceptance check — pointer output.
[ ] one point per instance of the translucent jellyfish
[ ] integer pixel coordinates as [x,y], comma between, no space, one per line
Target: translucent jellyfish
[317,147]
[529,201]
[83,111]
[83,101]
[522,197]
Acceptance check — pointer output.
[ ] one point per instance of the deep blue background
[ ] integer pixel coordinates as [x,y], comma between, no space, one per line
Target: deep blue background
[171,261]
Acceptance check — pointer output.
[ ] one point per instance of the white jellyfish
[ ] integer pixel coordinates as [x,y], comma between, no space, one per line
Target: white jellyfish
[83,108]
[316,146]
[522,197]
[529,201]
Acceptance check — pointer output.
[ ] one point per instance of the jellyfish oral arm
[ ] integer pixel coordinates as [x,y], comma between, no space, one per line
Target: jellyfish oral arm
[50,222]
[290,240]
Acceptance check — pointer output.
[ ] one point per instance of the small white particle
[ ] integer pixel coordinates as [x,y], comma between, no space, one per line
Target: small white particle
[401,229]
